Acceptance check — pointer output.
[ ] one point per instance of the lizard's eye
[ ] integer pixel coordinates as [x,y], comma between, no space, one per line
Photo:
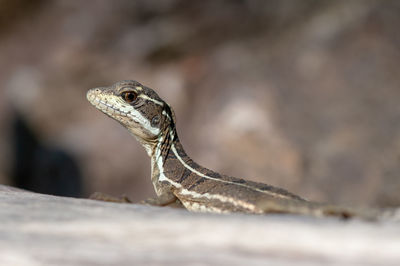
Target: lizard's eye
[129,96]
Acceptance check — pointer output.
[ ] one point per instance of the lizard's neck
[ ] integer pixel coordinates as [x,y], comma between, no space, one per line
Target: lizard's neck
[170,163]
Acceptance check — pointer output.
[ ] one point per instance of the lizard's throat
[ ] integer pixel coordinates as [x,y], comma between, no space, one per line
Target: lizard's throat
[159,146]
[148,144]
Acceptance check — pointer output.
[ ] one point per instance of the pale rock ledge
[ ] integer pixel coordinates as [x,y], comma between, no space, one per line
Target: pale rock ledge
[39,229]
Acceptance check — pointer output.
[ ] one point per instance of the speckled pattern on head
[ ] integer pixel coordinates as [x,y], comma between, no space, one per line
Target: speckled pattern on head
[144,118]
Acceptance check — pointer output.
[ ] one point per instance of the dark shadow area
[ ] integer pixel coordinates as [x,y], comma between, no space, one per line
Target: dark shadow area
[16,11]
[41,168]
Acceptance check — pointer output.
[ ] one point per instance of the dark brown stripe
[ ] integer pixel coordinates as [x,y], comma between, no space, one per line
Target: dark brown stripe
[185,174]
[198,182]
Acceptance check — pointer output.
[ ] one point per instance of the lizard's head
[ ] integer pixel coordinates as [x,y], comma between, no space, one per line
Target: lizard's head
[136,107]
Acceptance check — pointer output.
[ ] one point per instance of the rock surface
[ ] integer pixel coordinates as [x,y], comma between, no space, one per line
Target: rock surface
[38,229]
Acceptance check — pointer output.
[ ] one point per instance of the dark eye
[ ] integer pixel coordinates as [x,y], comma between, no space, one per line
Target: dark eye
[129,96]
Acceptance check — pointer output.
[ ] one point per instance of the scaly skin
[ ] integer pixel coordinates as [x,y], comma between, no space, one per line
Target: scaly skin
[176,177]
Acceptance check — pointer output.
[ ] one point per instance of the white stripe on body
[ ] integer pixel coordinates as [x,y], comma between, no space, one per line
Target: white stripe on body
[195,195]
[220,180]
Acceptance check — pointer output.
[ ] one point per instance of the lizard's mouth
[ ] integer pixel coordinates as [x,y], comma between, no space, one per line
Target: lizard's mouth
[107,108]
[130,118]
[104,106]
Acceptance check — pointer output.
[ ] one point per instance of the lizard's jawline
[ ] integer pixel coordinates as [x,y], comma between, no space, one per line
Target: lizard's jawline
[132,113]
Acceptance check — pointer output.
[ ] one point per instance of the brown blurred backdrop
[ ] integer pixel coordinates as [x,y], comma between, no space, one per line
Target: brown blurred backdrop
[299,94]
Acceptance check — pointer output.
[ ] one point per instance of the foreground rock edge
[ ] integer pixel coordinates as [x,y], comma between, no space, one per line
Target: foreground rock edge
[39,229]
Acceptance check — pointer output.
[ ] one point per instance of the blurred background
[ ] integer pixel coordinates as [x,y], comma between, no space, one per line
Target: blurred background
[302,95]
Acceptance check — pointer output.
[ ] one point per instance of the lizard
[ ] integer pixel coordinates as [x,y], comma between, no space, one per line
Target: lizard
[178,179]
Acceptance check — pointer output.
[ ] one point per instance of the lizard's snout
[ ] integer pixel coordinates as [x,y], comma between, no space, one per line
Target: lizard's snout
[92,94]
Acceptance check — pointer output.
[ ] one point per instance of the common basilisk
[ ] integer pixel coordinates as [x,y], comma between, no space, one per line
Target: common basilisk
[177,178]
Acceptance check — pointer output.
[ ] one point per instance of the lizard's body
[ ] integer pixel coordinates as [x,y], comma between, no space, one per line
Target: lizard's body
[176,176]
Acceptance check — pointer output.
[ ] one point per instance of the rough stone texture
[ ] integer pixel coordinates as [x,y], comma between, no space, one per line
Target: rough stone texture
[38,229]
